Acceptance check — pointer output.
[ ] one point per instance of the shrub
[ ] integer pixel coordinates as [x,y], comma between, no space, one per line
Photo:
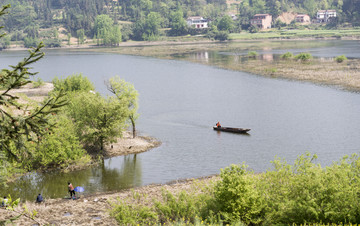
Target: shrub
[132,214]
[252,54]
[237,197]
[72,83]
[340,59]
[221,35]
[287,56]
[39,82]
[60,147]
[303,56]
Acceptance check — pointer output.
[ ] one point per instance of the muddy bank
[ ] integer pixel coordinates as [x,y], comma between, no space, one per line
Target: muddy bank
[94,209]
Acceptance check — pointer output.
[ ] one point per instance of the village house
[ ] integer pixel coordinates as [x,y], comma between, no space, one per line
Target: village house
[302,18]
[324,16]
[262,21]
[197,22]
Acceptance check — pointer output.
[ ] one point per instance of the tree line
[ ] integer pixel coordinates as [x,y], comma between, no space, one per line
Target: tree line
[30,20]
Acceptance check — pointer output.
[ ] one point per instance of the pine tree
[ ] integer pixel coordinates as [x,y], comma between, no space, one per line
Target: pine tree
[23,121]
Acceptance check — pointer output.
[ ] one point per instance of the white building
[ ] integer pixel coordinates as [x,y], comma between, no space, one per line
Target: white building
[324,16]
[197,22]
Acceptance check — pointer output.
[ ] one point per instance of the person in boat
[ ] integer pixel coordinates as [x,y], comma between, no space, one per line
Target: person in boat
[218,125]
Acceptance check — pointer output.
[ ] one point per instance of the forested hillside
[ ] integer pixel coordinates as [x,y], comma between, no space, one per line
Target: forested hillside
[34,20]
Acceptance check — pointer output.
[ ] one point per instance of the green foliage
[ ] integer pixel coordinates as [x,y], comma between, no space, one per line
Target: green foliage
[31,42]
[32,120]
[60,147]
[5,43]
[307,193]
[106,32]
[184,206]
[127,214]
[287,56]
[303,56]
[225,24]
[127,97]
[177,23]
[221,35]
[236,196]
[10,204]
[38,83]
[340,59]
[98,120]
[303,194]
[253,29]
[252,54]
[72,83]
[81,36]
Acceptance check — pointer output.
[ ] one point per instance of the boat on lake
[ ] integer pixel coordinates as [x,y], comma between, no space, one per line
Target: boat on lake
[231,129]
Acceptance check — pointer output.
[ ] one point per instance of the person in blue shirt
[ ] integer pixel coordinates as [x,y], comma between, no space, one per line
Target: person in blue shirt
[39,198]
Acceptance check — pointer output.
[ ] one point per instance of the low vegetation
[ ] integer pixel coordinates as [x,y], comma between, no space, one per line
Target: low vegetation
[340,59]
[302,193]
[287,56]
[252,54]
[303,56]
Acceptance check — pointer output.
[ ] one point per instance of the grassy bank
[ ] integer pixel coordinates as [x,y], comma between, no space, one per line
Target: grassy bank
[297,34]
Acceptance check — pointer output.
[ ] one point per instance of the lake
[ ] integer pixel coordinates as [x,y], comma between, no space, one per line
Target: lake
[179,103]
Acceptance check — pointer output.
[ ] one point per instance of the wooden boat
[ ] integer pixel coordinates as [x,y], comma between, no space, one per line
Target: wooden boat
[230,129]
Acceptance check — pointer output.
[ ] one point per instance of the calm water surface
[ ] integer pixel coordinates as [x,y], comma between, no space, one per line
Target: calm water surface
[181,101]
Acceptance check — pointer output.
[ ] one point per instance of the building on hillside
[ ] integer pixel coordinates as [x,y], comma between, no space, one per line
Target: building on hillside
[197,22]
[262,21]
[302,18]
[325,16]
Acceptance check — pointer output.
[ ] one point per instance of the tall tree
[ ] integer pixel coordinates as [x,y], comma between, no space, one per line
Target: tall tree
[127,96]
[177,23]
[99,120]
[106,31]
[225,23]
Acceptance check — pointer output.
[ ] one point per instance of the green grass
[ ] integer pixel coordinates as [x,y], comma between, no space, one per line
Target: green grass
[295,34]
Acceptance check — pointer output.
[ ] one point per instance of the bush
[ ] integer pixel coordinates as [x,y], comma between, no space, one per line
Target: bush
[287,56]
[128,214]
[39,82]
[60,147]
[221,35]
[300,194]
[253,29]
[237,198]
[52,42]
[303,56]
[252,54]
[340,59]
[75,82]
[31,42]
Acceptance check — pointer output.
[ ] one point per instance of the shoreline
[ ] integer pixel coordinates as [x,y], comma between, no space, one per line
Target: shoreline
[94,208]
[182,42]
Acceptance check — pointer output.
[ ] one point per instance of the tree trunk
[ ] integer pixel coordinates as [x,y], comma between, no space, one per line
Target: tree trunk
[133,126]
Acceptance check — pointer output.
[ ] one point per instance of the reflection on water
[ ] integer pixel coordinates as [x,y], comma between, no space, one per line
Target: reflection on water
[113,174]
